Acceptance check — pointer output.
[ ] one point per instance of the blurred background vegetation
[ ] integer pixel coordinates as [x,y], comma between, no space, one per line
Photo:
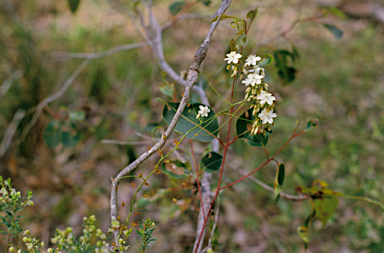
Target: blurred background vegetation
[339,80]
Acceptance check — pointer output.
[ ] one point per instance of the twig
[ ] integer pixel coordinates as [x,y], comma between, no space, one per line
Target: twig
[39,108]
[112,51]
[157,47]
[190,82]
[125,142]
[286,31]
[213,227]
[265,186]
[10,132]
[9,81]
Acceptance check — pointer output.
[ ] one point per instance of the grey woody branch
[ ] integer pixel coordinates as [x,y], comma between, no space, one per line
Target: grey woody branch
[192,77]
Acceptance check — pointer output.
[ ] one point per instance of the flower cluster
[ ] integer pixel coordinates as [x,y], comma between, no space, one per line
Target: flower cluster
[257,93]
[33,244]
[66,240]
[116,226]
[9,197]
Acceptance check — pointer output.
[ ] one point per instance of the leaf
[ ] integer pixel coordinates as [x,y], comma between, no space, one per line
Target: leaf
[211,162]
[320,182]
[278,189]
[336,11]
[241,41]
[288,75]
[252,14]
[285,71]
[167,89]
[266,61]
[176,7]
[303,233]
[223,17]
[206,2]
[279,180]
[334,30]
[52,134]
[73,5]
[70,136]
[305,190]
[175,169]
[312,124]
[143,202]
[203,129]
[280,174]
[325,207]
[244,124]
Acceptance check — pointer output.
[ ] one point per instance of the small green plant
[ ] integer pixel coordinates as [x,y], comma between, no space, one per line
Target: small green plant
[145,231]
[92,240]
[11,202]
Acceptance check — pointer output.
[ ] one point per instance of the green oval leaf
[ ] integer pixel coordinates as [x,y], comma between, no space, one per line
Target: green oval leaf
[211,162]
[279,180]
[176,7]
[167,89]
[52,134]
[334,30]
[336,11]
[311,124]
[73,5]
[325,207]
[281,174]
[244,124]
[252,14]
[70,136]
[223,17]
[266,61]
[241,41]
[206,2]
[303,233]
[203,129]
[285,71]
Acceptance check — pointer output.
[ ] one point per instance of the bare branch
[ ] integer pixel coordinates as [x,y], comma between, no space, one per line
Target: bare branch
[9,81]
[10,132]
[265,186]
[126,142]
[190,82]
[110,52]
[39,108]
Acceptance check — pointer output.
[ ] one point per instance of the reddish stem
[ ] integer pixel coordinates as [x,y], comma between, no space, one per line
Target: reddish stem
[221,170]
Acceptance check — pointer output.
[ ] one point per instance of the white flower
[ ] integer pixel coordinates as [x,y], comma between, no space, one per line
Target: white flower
[267,116]
[11,249]
[260,71]
[252,60]
[265,97]
[233,57]
[253,79]
[3,191]
[204,110]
